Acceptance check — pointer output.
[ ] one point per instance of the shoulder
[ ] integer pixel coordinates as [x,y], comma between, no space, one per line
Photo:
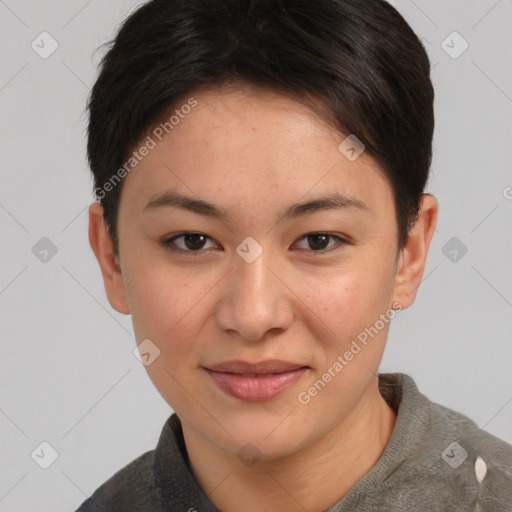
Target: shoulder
[440,456]
[471,459]
[441,425]
[131,488]
[471,436]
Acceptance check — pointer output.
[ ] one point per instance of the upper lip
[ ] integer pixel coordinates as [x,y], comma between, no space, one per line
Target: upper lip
[263,367]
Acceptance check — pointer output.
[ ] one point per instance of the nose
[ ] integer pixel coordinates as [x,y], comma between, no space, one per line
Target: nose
[255,300]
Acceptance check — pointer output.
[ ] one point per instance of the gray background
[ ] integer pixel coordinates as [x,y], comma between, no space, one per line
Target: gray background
[68,374]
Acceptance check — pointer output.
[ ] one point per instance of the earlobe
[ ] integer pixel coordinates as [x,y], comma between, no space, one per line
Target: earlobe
[413,256]
[103,249]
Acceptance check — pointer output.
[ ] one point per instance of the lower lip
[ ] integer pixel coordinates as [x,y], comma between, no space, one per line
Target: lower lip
[255,389]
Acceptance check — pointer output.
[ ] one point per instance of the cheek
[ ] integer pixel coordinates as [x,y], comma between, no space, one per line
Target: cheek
[350,303]
[167,306]
[169,309]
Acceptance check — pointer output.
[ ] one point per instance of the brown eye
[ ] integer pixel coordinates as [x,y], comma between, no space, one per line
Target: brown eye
[318,242]
[194,241]
[187,242]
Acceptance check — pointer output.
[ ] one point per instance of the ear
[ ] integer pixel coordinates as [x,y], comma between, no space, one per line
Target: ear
[413,255]
[103,249]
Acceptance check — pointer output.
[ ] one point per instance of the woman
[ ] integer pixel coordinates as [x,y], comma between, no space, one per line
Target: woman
[260,167]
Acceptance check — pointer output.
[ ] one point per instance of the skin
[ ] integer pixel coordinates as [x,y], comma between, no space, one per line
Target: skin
[254,153]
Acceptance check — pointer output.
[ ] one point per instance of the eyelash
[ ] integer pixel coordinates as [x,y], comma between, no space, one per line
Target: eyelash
[168,243]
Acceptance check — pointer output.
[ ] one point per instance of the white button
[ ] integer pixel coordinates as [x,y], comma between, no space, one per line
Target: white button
[480,469]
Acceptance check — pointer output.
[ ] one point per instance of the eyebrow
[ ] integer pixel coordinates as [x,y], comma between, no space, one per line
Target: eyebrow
[332,201]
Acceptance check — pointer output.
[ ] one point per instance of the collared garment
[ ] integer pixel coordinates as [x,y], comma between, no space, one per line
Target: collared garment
[436,460]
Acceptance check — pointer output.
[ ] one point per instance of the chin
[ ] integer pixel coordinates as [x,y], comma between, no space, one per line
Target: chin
[264,437]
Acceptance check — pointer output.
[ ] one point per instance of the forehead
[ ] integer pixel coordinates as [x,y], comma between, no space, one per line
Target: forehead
[253,147]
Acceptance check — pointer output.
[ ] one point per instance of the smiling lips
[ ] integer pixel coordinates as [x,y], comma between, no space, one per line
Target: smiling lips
[255,382]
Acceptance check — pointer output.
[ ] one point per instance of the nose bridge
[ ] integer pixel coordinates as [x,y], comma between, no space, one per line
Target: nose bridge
[253,277]
[256,301]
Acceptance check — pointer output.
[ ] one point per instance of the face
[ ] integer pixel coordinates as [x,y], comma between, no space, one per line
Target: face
[256,303]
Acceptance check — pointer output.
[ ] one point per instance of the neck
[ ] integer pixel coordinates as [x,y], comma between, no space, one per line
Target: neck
[313,479]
